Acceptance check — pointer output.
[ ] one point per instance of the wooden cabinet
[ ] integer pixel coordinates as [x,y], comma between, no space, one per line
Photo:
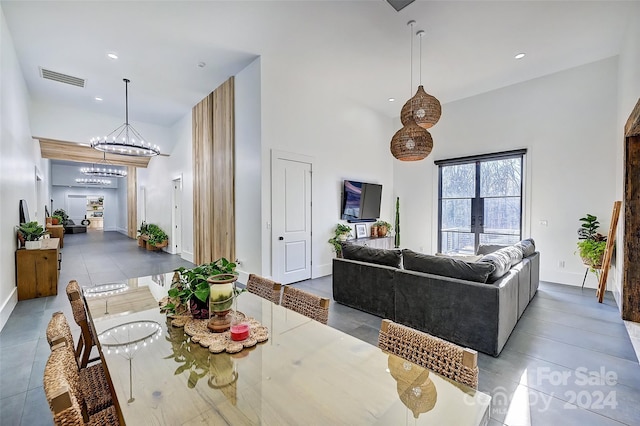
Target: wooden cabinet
[380,242]
[57,231]
[37,270]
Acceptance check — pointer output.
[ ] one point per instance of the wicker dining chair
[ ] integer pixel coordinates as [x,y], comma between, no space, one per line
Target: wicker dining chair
[63,399]
[445,358]
[86,341]
[90,384]
[307,304]
[264,288]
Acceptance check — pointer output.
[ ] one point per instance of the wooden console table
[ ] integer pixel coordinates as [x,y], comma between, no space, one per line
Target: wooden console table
[37,270]
[375,242]
[57,231]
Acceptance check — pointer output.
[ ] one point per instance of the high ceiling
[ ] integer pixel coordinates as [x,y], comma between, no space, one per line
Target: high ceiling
[362,46]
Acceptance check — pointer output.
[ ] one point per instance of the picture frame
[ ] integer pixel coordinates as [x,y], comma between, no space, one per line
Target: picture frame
[361,230]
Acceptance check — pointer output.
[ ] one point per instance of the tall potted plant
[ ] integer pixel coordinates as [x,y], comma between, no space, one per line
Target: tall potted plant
[341,234]
[591,244]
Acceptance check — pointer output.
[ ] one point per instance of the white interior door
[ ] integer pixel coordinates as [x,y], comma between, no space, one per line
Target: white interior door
[77,207]
[291,217]
[176,229]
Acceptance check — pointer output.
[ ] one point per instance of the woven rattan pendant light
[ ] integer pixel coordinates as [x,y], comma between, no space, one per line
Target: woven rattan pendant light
[426,109]
[412,142]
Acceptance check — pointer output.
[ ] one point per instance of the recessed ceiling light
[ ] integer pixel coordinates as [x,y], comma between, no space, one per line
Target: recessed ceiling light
[112,56]
[392,99]
[98,98]
[519,56]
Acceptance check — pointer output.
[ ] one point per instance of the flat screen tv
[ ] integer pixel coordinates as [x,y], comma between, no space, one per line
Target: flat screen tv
[361,201]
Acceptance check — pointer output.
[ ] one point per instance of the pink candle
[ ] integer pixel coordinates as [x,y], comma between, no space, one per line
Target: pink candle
[239,332]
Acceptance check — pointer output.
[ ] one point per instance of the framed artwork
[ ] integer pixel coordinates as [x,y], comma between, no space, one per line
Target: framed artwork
[361,230]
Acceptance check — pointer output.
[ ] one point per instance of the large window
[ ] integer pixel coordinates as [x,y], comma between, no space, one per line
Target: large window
[479,201]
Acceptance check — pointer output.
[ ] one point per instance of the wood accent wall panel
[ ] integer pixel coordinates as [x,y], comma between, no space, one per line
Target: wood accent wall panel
[69,151]
[213,175]
[631,268]
[132,201]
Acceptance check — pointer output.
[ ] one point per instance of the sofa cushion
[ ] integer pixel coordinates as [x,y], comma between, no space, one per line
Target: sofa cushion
[527,246]
[489,248]
[372,255]
[466,258]
[446,266]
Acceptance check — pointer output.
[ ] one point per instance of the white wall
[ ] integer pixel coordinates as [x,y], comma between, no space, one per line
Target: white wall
[303,113]
[63,175]
[628,96]
[567,121]
[248,171]
[60,195]
[157,180]
[54,121]
[19,160]
[122,221]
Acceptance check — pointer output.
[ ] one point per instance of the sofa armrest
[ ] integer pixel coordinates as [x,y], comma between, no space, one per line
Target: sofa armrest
[364,286]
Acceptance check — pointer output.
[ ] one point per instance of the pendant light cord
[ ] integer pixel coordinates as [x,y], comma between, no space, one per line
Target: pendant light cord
[411,58]
[126,100]
[420,33]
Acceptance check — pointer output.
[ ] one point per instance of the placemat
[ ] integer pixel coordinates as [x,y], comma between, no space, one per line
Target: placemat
[220,342]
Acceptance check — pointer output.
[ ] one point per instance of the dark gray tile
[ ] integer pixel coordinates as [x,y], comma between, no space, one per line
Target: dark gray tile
[16,362]
[616,346]
[11,409]
[36,411]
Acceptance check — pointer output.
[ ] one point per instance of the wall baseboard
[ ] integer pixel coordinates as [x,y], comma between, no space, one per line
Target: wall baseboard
[187,256]
[322,270]
[7,307]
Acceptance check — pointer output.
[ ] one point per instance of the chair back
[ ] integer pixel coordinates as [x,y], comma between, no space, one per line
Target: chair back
[86,341]
[264,288]
[62,385]
[307,304]
[445,358]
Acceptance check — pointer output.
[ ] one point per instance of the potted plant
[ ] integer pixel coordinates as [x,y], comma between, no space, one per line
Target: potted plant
[31,232]
[56,220]
[143,234]
[341,233]
[591,244]
[191,289]
[63,214]
[383,228]
[157,238]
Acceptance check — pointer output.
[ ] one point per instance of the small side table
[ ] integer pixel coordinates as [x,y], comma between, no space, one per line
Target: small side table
[57,231]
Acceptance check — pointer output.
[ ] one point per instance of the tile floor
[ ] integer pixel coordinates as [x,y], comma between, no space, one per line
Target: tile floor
[569,361]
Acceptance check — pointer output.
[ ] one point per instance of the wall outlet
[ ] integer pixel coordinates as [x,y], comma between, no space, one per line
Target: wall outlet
[561,264]
[544,223]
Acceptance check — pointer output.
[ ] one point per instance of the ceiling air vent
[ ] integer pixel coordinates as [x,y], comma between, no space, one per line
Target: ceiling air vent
[398,5]
[62,78]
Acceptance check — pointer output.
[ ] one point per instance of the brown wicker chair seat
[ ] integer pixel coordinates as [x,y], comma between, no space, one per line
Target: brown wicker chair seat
[264,288]
[95,388]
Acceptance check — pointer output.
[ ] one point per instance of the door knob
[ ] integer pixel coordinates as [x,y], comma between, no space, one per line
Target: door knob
[281,238]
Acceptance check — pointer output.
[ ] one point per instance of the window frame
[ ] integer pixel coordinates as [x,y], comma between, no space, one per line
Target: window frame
[477,208]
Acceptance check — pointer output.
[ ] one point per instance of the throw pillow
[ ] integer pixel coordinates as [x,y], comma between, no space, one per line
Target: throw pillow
[446,266]
[527,246]
[466,258]
[372,255]
[501,261]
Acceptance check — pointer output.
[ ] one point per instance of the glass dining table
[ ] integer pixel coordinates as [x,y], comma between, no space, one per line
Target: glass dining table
[305,373]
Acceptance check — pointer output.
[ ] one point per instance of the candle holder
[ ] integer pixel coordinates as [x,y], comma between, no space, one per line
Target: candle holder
[221,295]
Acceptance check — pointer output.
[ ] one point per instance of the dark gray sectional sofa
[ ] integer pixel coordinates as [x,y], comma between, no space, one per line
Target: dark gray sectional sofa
[472,304]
